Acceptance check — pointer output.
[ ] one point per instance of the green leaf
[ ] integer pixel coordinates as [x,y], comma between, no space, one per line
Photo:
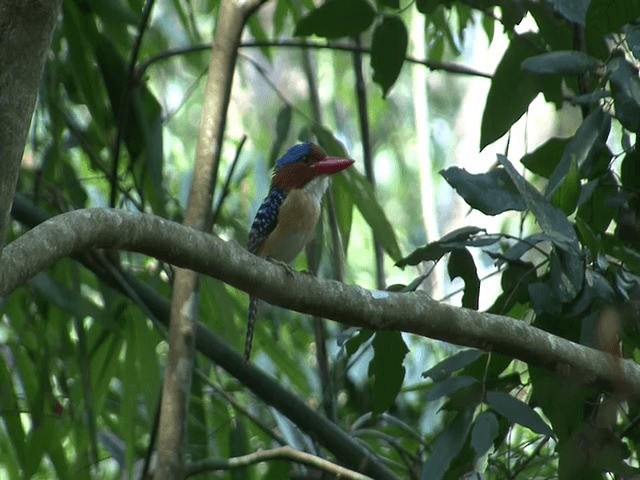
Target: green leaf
[353,344]
[448,386]
[11,417]
[566,195]
[447,446]
[389,3]
[361,193]
[582,150]
[461,265]
[485,430]
[574,10]
[544,159]
[283,126]
[434,251]
[337,18]
[605,16]
[491,193]
[518,412]
[600,208]
[551,220]
[448,366]
[386,367]
[388,49]
[564,62]
[625,87]
[630,171]
[509,80]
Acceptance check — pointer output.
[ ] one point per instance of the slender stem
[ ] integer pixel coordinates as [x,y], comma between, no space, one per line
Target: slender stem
[125,95]
[280,453]
[363,116]
[430,64]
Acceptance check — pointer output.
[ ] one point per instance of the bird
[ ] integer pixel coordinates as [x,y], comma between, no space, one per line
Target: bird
[286,220]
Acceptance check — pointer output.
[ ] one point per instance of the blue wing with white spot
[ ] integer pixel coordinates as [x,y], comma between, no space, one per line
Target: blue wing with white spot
[266,218]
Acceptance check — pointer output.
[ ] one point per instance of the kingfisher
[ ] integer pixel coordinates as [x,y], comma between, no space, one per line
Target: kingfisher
[287,217]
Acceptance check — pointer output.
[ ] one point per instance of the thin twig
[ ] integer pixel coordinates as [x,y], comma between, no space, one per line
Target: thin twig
[280,453]
[227,182]
[430,64]
[123,108]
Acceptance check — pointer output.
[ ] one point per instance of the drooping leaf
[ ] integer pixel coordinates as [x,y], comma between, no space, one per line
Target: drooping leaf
[461,264]
[510,80]
[604,16]
[447,446]
[452,364]
[552,220]
[625,87]
[633,40]
[388,49]
[448,386]
[544,159]
[353,344]
[565,197]
[386,367]
[434,251]
[600,208]
[491,193]
[337,18]
[574,11]
[283,126]
[518,412]
[564,62]
[364,198]
[485,430]
[582,150]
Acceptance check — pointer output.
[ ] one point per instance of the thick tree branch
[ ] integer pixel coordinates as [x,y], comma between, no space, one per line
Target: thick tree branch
[83,230]
[346,449]
[25,35]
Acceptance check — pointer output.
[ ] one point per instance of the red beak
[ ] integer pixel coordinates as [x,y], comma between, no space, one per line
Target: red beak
[331,165]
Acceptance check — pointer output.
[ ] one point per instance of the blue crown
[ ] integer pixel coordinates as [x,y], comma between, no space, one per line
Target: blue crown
[294,154]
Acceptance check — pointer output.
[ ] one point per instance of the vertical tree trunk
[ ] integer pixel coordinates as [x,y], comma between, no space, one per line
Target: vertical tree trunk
[26,28]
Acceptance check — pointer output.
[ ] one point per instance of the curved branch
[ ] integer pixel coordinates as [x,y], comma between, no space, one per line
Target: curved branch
[346,449]
[83,230]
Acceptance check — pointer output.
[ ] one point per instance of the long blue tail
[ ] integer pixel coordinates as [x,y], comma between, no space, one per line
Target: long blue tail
[251,324]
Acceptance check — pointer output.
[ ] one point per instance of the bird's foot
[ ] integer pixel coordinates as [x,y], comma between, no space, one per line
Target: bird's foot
[280,263]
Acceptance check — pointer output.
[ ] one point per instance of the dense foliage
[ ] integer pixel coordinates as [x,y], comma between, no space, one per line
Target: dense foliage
[116,125]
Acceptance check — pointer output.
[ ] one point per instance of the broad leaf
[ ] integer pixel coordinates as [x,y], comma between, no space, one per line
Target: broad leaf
[452,364]
[447,446]
[511,91]
[625,87]
[582,150]
[386,367]
[337,18]
[518,412]
[491,193]
[565,62]
[388,49]
[544,159]
[448,386]
[364,198]
[574,11]
[552,220]
[485,430]
[605,16]
[434,251]
[461,264]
